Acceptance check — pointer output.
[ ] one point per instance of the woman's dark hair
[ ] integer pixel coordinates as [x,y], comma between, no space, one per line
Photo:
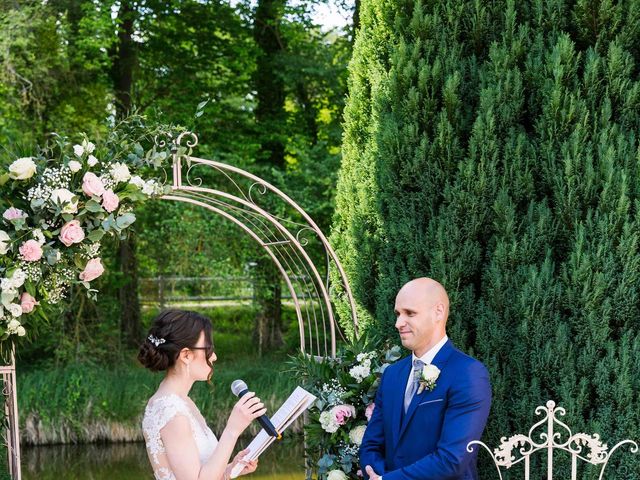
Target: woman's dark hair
[173,330]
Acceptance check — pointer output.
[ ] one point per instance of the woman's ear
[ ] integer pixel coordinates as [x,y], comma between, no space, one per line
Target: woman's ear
[185,356]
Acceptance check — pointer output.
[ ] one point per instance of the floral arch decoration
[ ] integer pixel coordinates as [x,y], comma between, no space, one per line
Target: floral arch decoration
[58,205]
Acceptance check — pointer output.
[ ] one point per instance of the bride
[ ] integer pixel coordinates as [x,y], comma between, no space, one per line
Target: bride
[180,445]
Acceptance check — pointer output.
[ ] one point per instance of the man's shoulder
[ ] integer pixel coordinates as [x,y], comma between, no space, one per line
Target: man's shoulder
[465,362]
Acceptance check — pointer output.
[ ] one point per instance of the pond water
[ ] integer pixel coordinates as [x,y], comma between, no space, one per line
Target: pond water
[128,461]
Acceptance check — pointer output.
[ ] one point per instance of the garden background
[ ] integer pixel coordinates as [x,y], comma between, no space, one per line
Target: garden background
[490,145]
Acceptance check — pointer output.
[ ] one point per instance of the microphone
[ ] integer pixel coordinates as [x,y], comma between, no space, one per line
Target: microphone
[239,388]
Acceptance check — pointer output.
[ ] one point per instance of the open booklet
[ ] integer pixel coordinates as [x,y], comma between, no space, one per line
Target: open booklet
[295,405]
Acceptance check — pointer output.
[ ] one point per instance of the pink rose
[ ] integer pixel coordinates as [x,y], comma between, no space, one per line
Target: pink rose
[13,213]
[31,251]
[369,411]
[92,185]
[71,233]
[110,201]
[28,303]
[92,271]
[341,413]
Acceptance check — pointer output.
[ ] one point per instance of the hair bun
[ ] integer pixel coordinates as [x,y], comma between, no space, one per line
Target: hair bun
[152,357]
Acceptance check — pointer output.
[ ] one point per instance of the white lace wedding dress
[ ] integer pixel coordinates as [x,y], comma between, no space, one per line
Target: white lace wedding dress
[159,411]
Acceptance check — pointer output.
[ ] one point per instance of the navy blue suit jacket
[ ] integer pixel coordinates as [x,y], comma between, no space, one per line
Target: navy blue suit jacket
[429,442]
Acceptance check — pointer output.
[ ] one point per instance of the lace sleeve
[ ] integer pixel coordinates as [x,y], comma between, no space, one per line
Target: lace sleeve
[158,413]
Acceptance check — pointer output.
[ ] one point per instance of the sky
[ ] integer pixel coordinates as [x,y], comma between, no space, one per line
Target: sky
[331,15]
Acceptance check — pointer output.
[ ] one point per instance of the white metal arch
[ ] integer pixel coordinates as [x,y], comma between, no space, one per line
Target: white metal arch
[290,237]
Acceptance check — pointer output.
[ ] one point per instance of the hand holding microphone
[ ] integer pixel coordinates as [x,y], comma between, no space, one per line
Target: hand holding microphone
[240,390]
[248,408]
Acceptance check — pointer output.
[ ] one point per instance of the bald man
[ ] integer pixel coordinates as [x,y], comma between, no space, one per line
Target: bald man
[429,405]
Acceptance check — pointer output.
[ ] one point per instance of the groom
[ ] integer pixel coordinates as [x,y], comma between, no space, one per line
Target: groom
[424,418]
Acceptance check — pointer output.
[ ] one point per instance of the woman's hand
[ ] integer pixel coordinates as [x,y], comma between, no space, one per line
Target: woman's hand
[249,465]
[247,409]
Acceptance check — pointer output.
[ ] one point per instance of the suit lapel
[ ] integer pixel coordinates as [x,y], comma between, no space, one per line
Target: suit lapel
[439,361]
[397,406]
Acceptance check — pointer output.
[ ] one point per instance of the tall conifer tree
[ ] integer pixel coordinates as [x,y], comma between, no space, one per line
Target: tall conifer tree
[494,146]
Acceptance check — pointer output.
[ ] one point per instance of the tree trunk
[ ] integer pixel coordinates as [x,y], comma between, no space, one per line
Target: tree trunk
[124,60]
[270,119]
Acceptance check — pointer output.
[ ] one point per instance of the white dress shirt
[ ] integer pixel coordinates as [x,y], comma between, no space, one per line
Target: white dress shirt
[427,358]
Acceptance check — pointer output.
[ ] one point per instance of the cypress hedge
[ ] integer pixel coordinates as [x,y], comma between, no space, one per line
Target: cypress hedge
[494,146]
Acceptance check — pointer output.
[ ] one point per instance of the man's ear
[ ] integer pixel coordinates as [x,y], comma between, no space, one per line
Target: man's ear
[440,312]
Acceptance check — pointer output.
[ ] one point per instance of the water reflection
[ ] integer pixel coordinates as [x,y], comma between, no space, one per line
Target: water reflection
[128,461]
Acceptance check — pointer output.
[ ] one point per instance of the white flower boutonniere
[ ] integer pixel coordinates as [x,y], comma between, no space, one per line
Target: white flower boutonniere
[428,377]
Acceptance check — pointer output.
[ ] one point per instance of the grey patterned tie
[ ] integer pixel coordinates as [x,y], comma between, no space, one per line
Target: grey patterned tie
[415,380]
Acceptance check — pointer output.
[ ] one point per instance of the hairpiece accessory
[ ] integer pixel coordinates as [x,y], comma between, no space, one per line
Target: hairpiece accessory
[155,340]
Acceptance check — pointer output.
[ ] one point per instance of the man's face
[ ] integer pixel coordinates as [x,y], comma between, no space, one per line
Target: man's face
[416,319]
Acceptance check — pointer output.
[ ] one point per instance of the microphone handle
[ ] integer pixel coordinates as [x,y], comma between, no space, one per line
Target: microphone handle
[264,421]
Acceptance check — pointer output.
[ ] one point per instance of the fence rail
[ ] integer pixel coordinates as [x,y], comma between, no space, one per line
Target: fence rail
[165,290]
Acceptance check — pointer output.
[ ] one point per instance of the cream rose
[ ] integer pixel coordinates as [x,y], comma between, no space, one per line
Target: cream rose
[120,172]
[71,233]
[337,475]
[5,240]
[75,166]
[356,434]
[64,197]
[21,331]
[92,271]
[92,161]
[22,169]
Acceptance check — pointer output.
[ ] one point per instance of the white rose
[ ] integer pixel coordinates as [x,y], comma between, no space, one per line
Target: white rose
[149,187]
[21,331]
[75,166]
[22,169]
[13,325]
[4,242]
[92,161]
[337,475]
[78,150]
[430,373]
[18,278]
[88,146]
[15,309]
[6,284]
[38,236]
[327,422]
[120,172]
[64,197]
[356,434]
[137,181]
[7,296]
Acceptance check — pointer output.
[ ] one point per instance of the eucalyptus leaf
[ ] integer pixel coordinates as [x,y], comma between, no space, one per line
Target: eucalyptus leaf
[93,206]
[123,221]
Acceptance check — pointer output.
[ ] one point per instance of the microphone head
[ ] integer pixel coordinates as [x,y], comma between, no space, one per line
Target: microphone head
[238,386]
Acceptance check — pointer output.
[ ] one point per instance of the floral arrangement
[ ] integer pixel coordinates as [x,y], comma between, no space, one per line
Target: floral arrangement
[345,388]
[57,206]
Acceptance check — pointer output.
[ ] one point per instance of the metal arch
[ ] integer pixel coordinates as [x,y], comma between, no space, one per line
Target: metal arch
[284,238]
[223,168]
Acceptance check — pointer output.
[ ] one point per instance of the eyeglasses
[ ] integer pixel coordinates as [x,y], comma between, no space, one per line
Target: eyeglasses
[208,348]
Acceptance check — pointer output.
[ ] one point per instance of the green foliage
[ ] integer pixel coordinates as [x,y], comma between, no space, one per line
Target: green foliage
[494,147]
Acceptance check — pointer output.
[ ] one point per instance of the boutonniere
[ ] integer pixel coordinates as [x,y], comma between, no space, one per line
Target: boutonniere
[428,377]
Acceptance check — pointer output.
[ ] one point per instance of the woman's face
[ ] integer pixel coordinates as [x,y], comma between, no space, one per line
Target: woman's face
[199,367]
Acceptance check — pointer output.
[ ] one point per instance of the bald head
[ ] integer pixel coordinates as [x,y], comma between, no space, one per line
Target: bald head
[426,290]
[422,309]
